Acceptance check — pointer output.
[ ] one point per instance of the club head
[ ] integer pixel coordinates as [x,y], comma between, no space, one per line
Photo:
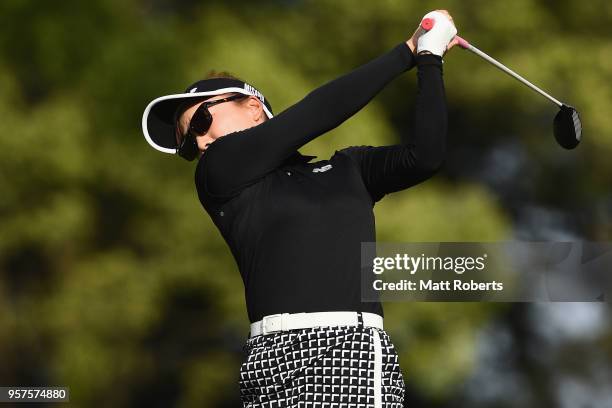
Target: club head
[567,127]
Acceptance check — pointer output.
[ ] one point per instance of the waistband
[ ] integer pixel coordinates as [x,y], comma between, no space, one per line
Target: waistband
[289,321]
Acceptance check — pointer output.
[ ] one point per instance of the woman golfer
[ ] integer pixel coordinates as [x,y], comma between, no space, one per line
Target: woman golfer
[295,226]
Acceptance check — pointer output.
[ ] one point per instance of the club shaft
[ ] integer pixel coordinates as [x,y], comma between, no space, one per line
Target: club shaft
[511,73]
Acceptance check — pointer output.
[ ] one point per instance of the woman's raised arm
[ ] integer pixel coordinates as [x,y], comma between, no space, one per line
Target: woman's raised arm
[386,169]
[240,158]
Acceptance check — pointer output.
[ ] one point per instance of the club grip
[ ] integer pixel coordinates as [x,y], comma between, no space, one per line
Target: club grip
[428,23]
[462,43]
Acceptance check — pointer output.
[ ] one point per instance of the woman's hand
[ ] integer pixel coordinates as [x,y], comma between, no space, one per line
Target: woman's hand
[414,40]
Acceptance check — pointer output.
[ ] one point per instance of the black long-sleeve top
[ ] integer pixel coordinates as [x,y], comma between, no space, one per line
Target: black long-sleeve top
[295,227]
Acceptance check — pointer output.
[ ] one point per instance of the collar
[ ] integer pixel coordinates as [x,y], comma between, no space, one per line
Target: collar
[297,157]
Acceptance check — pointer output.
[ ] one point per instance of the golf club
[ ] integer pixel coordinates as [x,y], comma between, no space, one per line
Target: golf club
[567,126]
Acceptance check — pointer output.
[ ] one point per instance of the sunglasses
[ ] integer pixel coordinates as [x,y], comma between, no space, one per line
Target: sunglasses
[198,125]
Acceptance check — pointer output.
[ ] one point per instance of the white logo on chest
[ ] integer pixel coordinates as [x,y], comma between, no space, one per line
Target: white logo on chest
[322,169]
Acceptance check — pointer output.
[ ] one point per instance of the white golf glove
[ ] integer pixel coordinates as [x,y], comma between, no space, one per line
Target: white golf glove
[436,40]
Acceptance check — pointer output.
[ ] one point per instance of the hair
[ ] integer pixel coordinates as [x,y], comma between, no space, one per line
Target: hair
[221,74]
[226,74]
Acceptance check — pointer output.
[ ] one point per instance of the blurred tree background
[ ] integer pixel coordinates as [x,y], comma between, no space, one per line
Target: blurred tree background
[114,281]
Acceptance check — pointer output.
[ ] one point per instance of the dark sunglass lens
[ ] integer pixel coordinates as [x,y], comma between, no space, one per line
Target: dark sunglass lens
[188,148]
[201,120]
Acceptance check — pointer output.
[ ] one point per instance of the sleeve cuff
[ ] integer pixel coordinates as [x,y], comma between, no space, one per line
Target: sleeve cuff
[428,59]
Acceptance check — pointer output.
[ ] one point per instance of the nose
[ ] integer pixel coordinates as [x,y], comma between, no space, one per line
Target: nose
[206,137]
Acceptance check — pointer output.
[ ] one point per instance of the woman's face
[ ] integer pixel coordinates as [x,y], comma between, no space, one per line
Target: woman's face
[227,117]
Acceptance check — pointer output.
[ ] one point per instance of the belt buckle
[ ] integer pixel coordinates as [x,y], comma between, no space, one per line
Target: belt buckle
[271,323]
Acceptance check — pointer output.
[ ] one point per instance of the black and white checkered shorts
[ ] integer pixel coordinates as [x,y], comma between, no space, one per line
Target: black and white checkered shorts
[331,366]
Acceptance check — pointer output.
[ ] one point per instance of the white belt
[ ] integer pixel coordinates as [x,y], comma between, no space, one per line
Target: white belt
[289,321]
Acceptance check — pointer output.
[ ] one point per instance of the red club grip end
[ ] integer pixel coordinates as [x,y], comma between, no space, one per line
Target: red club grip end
[427,23]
